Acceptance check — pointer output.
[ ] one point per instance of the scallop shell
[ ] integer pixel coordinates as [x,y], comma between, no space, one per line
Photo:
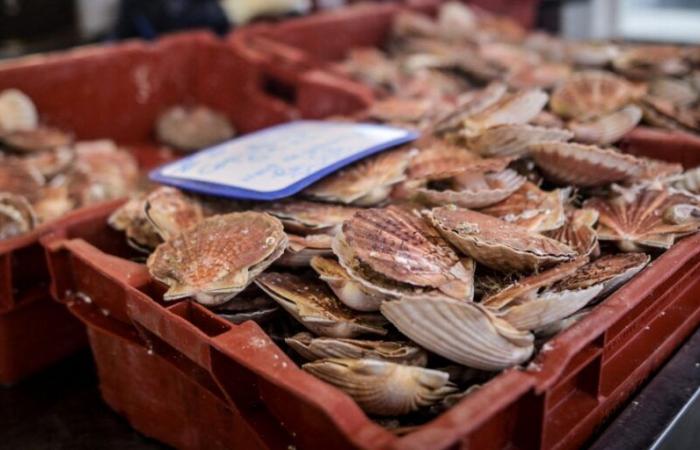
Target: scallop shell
[646,61]
[591,54]
[311,303]
[171,212]
[607,128]
[258,308]
[689,180]
[365,183]
[609,271]
[496,243]
[400,246]
[313,348]
[547,119]
[193,128]
[635,218]
[516,108]
[131,219]
[679,214]
[400,110]
[463,332]
[52,203]
[17,111]
[352,293]
[653,169]
[36,140]
[532,208]
[662,113]
[549,46]
[410,24]
[561,325]
[542,75]
[16,216]
[526,288]
[19,179]
[677,91]
[549,307]
[51,162]
[468,105]
[590,94]
[304,217]
[513,140]
[481,191]
[583,165]
[578,232]
[439,157]
[381,387]
[219,257]
[302,249]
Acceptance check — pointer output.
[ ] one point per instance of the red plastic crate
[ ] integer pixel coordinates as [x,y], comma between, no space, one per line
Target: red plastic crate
[117,92]
[569,390]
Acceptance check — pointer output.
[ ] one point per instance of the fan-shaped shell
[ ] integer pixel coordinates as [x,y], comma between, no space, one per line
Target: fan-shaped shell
[314,348]
[302,249]
[590,94]
[542,75]
[256,307]
[517,108]
[52,203]
[578,232]
[171,212]
[17,112]
[583,165]
[16,216]
[352,293]
[36,140]
[609,271]
[607,128]
[480,191]
[381,387]
[303,217]
[591,54]
[399,245]
[193,128]
[645,61]
[513,140]
[51,162]
[131,219]
[219,257]
[463,332]
[678,91]
[468,105]
[532,208]
[314,306]
[635,219]
[365,183]
[20,179]
[438,158]
[653,169]
[662,113]
[401,110]
[496,243]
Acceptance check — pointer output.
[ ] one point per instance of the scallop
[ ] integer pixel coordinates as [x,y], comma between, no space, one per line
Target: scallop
[193,128]
[304,217]
[16,216]
[578,232]
[607,128]
[514,140]
[349,291]
[17,112]
[219,257]
[171,212]
[532,208]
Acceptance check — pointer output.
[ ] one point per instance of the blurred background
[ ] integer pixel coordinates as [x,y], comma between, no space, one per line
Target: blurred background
[28,26]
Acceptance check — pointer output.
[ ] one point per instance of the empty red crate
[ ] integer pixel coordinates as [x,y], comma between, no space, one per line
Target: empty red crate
[117,92]
[249,382]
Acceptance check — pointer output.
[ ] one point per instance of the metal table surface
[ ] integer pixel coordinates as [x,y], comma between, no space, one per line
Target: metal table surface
[61,409]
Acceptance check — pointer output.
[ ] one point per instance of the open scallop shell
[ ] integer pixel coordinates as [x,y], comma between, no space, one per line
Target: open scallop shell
[365,183]
[171,212]
[314,306]
[468,105]
[16,216]
[548,307]
[513,140]
[496,243]
[352,293]
[578,232]
[302,249]
[463,332]
[607,128]
[314,348]
[517,108]
[401,246]
[590,94]
[36,140]
[381,387]
[304,217]
[583,165]
[17,112]
[526,288]
[480,190]
[219,257]
[193,128]
[635,219]
[532,208]
[609,271]
[541,75]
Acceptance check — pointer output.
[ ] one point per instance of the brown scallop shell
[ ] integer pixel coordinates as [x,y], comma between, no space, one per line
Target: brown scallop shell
[496,243]
[678,91]
[438,158]
[646,61]
[532,208]
[607,128]
[583,165]
[662,113]
[16,216]
[542,75]
[52,203]
[400,110]
[20,179]
[513,140]
[365,183]
[171,212]
[311,303]
[578,232]
[517,108]
[610,271]
[590,94]
[653,169]
[468,105]
[36,140]
[303,217]
[635,218]
[219,257]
